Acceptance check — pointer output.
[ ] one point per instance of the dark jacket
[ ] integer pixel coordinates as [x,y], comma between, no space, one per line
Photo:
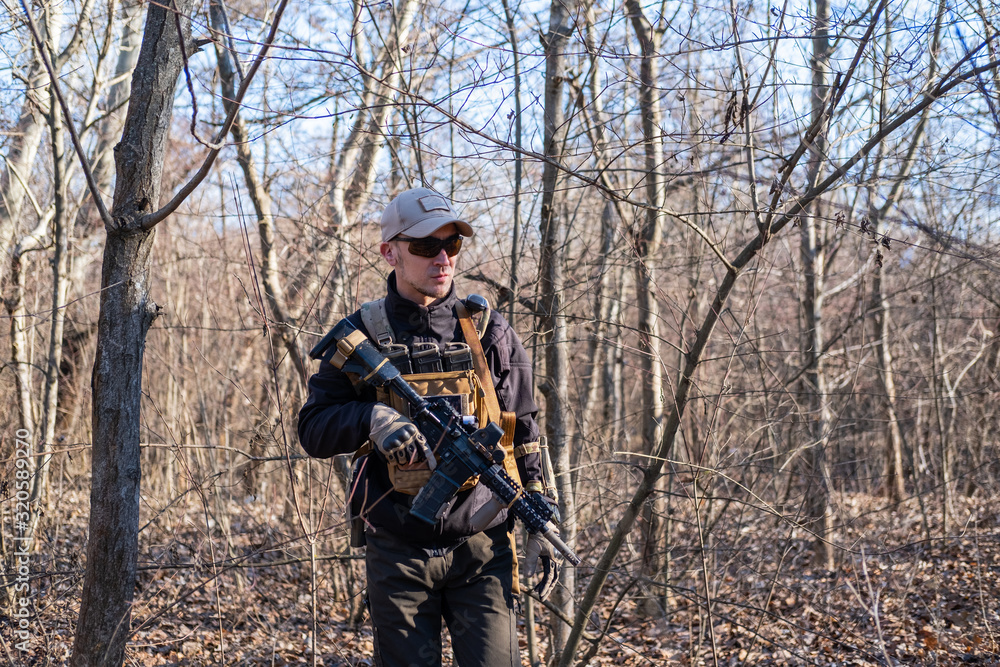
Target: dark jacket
[335,419]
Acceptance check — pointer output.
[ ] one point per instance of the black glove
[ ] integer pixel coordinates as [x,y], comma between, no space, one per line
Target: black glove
[395,436]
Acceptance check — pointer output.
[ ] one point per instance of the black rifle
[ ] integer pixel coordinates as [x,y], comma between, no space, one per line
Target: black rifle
[460,451]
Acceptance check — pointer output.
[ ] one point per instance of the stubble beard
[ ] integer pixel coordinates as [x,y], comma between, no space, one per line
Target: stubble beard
[436,292]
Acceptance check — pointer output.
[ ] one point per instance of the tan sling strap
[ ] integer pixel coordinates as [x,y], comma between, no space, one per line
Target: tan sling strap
[479,362]
[505,420]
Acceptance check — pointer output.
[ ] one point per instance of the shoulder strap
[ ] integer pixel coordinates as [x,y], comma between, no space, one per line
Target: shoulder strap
[376,320]
[505,420]
[479,362]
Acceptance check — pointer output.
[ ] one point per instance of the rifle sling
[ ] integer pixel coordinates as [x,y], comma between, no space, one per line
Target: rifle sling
[506,420]
[503,419]
[479,362]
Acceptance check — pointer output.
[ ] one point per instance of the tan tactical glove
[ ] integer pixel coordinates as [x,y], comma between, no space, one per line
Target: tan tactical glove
[395,436]
[539,550]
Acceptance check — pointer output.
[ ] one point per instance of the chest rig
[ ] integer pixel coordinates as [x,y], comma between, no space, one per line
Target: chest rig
[455,372]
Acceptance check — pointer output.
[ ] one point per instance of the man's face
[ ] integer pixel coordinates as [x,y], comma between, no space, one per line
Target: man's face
[422,279]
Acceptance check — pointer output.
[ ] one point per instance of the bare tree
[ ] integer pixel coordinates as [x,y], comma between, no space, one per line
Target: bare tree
[552,319]
[647,246]
[125,317]
[353,166]
[54,229]
[897,180]
[20,158]
[229,69]
[895,453]
[813,243]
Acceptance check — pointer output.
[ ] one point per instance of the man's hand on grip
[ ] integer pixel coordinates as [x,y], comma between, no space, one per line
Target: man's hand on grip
[540,554]
[395,436]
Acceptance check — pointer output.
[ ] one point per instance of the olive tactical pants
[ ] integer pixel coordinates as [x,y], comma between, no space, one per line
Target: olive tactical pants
[409,592]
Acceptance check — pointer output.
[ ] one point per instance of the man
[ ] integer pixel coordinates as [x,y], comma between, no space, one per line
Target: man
[419,574]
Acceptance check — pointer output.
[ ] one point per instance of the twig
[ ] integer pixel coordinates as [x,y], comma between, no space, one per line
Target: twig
[190,86]
[705,577]
[254,565]
[874,612]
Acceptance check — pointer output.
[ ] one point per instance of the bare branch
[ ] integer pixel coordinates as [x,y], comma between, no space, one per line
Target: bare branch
[151,220]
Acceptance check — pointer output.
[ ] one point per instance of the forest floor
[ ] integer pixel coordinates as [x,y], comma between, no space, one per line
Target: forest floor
[895,597]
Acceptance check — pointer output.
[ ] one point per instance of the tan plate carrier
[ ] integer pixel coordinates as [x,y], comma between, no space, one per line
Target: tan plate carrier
[476,384]
[473,387]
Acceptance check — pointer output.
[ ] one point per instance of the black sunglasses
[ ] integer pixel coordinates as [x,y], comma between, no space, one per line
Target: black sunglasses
[431,247]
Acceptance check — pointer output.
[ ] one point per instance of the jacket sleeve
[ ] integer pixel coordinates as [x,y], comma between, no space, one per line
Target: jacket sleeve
[511,369]
[336,417]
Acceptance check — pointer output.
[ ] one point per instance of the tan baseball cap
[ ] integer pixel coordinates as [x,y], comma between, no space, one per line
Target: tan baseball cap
[418,213]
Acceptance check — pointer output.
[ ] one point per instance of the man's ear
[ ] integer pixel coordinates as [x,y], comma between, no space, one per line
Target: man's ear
[389,253]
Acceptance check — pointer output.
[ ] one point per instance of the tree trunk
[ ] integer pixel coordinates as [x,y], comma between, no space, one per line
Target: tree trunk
[818,517]
[603,276]
[19,327]
[647,242]
[597,345]
[895,442]
[57,319]
[126,314]
[938,391]
[552,320]
[518,162]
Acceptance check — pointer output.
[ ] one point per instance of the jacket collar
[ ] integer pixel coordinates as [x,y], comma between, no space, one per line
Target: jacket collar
[410,320]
